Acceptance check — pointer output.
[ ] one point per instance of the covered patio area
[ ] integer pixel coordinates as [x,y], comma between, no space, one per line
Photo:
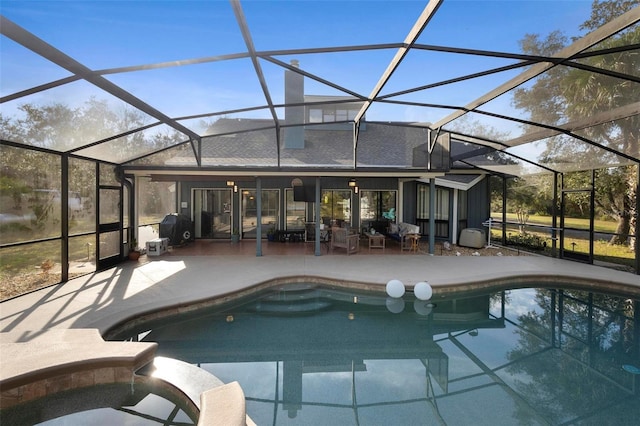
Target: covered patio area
[276,248]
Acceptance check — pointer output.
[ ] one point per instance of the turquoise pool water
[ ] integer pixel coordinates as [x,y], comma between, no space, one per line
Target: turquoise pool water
[308,355]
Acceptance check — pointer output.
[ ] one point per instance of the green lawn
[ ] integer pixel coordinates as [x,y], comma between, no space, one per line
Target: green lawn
[599,225]
[602,250]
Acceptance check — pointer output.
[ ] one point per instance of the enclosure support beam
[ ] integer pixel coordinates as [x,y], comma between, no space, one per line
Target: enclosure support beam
[127,188]
[318,218]
[554,217]
[259,214]
[637,236]
[432,216]
[97,215]
[45,50]
[592,214]
[424,18]
[504,210]
[562,196]
[64,219]
[568,53]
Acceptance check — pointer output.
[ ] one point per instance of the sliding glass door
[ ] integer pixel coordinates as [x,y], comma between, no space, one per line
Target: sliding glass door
[212,213]
[249,211]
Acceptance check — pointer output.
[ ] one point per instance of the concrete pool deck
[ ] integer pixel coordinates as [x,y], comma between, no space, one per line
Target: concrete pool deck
[106,299]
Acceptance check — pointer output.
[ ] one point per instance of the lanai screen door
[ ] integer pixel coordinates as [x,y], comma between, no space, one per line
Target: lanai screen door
[577,243]
[109,203]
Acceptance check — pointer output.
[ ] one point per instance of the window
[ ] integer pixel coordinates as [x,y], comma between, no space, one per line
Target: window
[335,205]
[315,115]
[330,114]
[462,209]
[377,205]
[441,210]
[442,203]
[270,208]
[296,211]
[462,205]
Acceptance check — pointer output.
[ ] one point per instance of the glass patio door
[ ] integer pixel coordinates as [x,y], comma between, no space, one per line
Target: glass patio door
[249,211]
[212,213]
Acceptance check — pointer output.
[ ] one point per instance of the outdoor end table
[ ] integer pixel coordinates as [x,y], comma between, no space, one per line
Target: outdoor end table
[376,240]
[414,239]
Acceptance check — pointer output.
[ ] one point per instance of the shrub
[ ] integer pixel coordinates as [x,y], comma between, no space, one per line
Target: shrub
[527,241]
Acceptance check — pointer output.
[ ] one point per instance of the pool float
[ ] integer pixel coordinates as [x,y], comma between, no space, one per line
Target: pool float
[631,369]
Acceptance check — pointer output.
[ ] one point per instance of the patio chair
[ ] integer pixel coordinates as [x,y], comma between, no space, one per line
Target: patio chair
[342,238]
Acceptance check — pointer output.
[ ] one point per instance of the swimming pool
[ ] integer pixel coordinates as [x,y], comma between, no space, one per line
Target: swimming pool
[145,402]
[312,355]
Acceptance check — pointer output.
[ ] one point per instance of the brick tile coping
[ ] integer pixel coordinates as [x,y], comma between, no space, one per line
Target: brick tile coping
[51,361]
[56,360]
[224,406]
[219,404]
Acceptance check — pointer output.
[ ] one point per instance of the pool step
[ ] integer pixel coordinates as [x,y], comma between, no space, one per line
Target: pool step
[298,301]
[291,307]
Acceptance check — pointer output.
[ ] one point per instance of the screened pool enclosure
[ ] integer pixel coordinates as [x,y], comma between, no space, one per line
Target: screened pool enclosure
[247,116]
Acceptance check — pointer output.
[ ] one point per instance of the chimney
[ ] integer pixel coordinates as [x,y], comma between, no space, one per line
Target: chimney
[294,94]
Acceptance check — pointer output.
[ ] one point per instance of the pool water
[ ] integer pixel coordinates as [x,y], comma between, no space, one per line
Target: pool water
[308,355]
[145,403]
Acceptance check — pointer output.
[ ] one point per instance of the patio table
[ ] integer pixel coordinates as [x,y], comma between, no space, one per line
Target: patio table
[376,240]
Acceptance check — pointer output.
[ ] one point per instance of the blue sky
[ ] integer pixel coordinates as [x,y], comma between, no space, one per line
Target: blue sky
[107,34]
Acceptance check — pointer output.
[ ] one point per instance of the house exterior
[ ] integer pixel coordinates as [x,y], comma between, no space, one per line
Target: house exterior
[384,174]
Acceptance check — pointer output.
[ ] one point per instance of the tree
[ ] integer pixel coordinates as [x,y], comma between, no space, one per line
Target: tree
[61,128]
[599,319]
[565,94]
[26,175]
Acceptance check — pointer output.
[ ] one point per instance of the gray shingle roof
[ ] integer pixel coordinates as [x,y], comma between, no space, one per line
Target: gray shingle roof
[379,145]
